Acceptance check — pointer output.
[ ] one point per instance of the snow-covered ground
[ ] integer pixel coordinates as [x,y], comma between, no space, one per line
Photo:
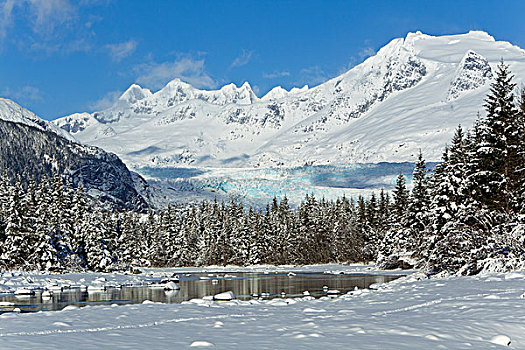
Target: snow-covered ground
[412,312]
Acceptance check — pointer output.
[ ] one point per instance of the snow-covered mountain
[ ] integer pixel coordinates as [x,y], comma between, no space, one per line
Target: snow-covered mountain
[12,112]
[34,149]
[411,95]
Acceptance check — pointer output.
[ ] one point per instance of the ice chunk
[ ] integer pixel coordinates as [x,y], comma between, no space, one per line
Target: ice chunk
[333,291]
[96,288]
[24,291]
[224,296]
[501,340]
[201,344]
[514,275]
[171,286]
[70,307]
[313,310]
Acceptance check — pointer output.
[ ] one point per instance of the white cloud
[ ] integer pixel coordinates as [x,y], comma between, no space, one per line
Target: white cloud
[243,59]
[105,102]
[44,15]
[48,14]
[122,50]
[45,25]
[366,52]
[23,94]
[155,75]
[276,74]
[66,47]
[6,10]
[314,75]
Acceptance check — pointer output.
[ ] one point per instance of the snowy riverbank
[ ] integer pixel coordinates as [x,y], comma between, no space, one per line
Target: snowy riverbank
[409,313]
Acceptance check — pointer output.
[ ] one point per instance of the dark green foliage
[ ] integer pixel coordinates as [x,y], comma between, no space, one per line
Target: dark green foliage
[400,197]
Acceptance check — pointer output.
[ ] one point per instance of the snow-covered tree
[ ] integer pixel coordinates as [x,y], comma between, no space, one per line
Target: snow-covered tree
[496,158]
[16,247]
[400,195]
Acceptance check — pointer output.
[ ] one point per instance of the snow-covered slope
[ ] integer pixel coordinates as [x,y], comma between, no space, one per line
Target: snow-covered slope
[411,95]
[12,112]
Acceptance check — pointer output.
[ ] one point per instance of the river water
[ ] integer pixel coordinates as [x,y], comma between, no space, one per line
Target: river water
[197,285]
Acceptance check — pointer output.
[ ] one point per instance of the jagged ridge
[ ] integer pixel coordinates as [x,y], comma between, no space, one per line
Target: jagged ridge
[385,109]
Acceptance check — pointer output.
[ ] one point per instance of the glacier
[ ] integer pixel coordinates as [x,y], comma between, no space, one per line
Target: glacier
[258,186]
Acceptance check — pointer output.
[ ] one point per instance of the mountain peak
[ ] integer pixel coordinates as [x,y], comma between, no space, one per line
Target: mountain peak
[233,94]
[297,90]
[175,83]
[473,72]
[279,92]
[275,94]
[229,87]
[135,93]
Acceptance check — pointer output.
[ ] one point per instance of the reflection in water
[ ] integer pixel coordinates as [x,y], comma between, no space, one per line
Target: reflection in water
[244,285]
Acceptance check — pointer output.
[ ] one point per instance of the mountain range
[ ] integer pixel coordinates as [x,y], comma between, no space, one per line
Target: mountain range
[354,133]
[411,95]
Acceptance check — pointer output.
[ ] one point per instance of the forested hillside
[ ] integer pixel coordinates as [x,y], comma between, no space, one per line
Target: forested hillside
[31,154]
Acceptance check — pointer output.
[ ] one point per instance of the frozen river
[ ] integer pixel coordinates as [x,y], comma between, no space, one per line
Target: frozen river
[244,285]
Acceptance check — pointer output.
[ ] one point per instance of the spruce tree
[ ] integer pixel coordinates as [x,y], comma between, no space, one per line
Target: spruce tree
[400,196]
[78,226]
[419,196]
[384,209]
[496,155]
[16,248]
[97,247]
[519,185]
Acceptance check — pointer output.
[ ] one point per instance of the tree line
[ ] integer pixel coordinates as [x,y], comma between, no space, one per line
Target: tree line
[52,227]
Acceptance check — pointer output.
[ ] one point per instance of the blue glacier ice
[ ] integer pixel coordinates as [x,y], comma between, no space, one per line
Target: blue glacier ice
[259,185]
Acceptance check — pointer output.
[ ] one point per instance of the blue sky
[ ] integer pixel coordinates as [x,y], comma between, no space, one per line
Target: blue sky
[62,56]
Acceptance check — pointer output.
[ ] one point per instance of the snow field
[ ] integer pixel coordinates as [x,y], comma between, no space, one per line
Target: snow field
[412,312]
